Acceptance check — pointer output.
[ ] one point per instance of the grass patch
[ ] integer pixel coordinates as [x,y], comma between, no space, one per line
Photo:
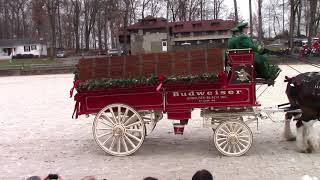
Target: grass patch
[17,62]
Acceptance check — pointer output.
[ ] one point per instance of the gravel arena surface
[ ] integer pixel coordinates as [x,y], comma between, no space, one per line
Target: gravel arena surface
[38,136]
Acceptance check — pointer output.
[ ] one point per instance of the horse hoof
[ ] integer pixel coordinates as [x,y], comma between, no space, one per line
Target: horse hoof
[291,139]
[309,150]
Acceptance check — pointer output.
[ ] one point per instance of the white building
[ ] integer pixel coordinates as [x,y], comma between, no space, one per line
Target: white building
[15,47]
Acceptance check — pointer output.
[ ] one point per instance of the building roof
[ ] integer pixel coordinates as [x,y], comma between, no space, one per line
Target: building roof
[16,42]
[151,22]
[204,25]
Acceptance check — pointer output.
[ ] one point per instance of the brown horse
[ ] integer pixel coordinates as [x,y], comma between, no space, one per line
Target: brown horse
[303,92]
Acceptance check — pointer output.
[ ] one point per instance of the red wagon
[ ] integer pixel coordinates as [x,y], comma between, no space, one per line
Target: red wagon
[126,112]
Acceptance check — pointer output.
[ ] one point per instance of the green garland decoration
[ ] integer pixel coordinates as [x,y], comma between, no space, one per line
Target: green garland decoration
[153,80]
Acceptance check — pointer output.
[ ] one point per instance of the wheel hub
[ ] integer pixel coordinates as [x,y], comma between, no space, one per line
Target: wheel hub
[232,138]
[118,130]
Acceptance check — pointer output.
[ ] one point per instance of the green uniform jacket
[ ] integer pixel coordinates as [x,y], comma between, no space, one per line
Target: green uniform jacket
[243,41]
[232,42]
[263,67]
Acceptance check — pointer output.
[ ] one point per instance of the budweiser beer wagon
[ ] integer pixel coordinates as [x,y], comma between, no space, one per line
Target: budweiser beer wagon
[129,95]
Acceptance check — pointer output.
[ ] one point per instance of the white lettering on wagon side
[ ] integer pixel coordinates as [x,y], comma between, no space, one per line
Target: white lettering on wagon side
[203,93]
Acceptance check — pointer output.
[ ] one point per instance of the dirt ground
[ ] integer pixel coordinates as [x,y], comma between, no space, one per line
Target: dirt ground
[38,136]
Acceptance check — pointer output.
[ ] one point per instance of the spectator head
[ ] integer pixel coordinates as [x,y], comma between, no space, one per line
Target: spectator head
[89,178]
[150,178]
[202,175]
[34,178]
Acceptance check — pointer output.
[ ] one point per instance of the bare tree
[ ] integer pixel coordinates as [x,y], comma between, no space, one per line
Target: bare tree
[236,18]
[217,5]
[144,6]
[52,6]
[250,16]
[91,8]
[260,33]
[313,9]
[299,13]
[76,22]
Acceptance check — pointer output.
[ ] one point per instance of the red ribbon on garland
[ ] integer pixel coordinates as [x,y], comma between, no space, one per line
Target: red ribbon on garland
[76,84]
[161,79]
[76,110]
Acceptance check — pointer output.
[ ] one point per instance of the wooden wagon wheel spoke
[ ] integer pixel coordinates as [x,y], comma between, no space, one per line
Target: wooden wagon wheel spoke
[134,130]
[223,135]
[105,123]
[112,143]
[119,130]
[131,118]
[119,145]
[113,115]
[107,118]
[224,131]
[236,142]
[104,129]
[238,147]
[150,119]
[133,124]
[104,134]
[130,142]
[133,137]
[119,114]
[104,142]
[124,116]
[228,130]
[124,144]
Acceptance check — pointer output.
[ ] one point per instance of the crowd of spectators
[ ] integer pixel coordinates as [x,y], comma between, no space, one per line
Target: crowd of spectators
[199,175]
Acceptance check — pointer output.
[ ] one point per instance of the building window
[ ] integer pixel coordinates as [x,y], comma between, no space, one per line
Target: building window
[33,47]
[164,43]
[26,48]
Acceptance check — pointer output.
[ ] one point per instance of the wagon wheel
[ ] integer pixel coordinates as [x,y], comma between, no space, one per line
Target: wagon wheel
[119,130]
[151,118]
[232,138]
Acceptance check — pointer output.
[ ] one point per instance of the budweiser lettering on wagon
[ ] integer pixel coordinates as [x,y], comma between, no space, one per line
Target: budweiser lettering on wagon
[205,93]
[238,95]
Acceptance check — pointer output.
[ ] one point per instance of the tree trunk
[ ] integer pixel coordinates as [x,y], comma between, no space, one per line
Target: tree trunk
[313,10]
[59,28]
[125,25]
[299,18]
[99,32]
[260,35]
[167,27]
[250,14]
[235,11]
[76,23]
[283,17]
[292,14]
[201,10]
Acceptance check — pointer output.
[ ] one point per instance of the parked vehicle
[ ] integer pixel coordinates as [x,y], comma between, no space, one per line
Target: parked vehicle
[115,52]
[279,47]
[61,54]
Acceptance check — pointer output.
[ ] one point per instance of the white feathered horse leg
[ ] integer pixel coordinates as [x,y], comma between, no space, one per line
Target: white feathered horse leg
[287,129]
[307,137]
[312,135]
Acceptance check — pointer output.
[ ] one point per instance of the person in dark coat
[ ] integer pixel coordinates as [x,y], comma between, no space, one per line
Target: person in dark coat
[202,175]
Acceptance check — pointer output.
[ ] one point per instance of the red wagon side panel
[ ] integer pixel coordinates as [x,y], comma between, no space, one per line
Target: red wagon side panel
[92,101]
